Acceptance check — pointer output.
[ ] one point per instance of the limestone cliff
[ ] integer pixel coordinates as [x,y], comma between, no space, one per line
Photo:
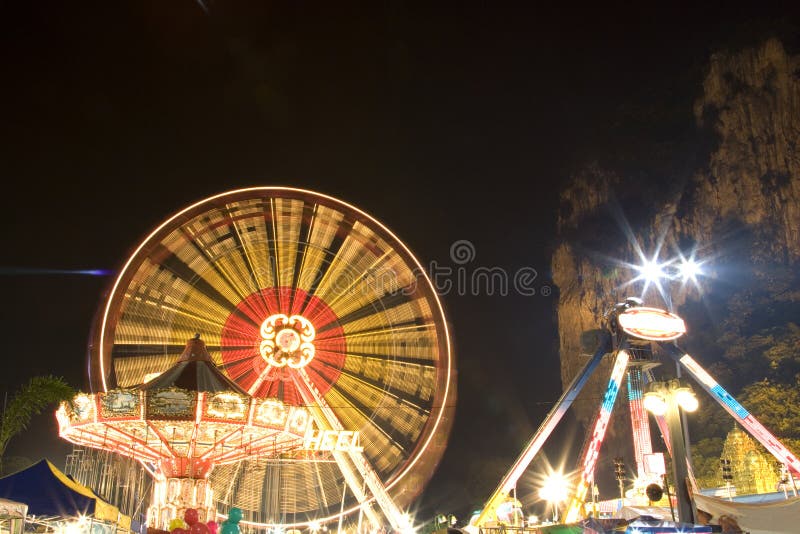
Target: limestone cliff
[739,206]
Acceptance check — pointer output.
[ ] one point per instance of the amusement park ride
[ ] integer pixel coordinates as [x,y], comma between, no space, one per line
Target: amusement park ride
[318,379]
[632,334]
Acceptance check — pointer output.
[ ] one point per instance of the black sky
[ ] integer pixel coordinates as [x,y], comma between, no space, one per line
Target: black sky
[447,122]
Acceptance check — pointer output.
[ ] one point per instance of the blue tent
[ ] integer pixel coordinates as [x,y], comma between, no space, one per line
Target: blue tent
[49,492]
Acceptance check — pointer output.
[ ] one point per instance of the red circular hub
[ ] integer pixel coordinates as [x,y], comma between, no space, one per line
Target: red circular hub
[241,339]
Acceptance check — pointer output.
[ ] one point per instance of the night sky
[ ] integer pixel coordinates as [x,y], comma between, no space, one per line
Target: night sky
[447,123]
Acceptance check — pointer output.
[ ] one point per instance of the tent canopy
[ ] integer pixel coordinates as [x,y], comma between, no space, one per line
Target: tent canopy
[777,517]
[49,492]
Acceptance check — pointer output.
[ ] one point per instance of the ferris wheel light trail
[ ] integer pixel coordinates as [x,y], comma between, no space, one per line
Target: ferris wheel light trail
[304,264]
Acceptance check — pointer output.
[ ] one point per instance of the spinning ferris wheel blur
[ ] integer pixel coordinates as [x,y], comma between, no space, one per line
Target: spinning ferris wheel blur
[302,298]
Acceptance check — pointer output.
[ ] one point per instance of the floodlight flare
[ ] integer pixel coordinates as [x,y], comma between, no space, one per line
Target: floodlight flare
[654,403]
[686,399]
[554,489]
[688,269]
[652,271]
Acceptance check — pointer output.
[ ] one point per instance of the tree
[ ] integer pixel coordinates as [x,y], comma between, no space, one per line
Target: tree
[705,461]
[777,407]
[30,400]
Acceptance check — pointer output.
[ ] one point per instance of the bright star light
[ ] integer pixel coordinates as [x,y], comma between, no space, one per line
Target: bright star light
[651,272]
[688,269]
[555,488]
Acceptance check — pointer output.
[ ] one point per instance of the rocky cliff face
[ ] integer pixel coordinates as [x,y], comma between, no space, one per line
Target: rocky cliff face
[740,207]
[752,102]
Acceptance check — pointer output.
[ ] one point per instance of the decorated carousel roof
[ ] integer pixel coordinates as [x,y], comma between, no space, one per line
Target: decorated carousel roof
[194,371]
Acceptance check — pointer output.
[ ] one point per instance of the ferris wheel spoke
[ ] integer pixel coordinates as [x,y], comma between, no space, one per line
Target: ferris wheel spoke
[348,266]
[360,279]
[399,395]
[250,281]
[259,380]
[271,243]
[321,249]
[182,270]
[331,246]
[247,226]
[133,350]
[287,215]
[159,293]
[247,255]
[370,415]
[421,361]
[217,264]
[417,324]
[232,362]
[241,374]
[304,235]
[374,308]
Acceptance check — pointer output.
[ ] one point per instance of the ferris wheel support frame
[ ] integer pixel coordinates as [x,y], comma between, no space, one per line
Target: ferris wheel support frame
[390,510]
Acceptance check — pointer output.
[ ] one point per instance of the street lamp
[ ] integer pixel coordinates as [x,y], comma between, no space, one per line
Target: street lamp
[666,398]
[554,491]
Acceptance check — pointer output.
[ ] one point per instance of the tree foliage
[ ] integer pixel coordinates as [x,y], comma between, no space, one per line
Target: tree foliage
[762,370]
[776,406]
[29,401]
[705,461]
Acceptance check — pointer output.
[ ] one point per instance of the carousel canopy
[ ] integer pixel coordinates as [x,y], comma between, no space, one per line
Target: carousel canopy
[49,492]
[186,420]
[194,371]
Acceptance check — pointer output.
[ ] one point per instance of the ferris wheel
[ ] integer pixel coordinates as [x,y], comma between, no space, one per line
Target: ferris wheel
[306,299]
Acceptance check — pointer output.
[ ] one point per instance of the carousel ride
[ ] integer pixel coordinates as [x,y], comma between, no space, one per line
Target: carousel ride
[318,379]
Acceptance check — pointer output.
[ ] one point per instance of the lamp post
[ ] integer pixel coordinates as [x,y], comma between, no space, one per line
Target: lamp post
[667,398]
